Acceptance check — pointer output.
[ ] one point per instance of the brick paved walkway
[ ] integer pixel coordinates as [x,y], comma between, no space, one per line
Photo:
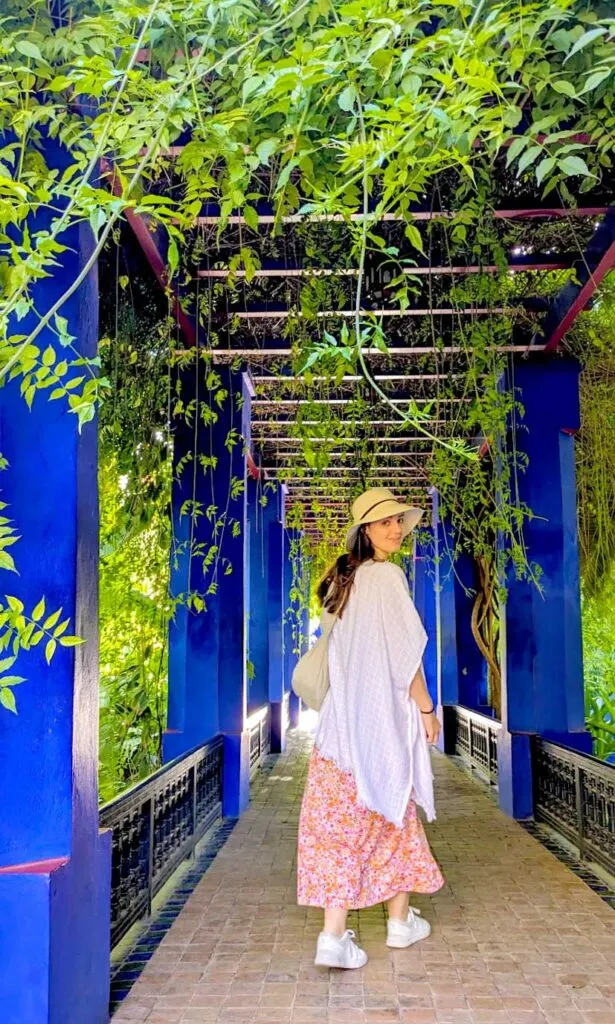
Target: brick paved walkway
[517,938]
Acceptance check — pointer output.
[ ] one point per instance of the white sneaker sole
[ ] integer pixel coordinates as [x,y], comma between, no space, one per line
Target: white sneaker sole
[330,960]
[398,942]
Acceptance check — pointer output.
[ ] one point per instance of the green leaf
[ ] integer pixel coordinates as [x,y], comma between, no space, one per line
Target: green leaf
[6,663]
[71,641]
[585,39]
[39,611]
[346,99]
[7,562]
[12,680]
[266,149]
[49,356]
[61,628]
[28,49]
[512,117]
[53,618]
[574,165]
[50,650]
[411,84]
[544,167]
[14,603]
[528,158]
[516,147]
[61,324]
[250,86]
[7,699]
[414,236]
[251,217]
[173,255]
[565,88]
[59,83]
[594,80]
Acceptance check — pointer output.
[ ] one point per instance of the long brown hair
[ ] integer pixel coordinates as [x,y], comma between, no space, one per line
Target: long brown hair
[334,588]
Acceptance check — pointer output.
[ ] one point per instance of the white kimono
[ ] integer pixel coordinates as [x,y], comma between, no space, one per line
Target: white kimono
[368,724]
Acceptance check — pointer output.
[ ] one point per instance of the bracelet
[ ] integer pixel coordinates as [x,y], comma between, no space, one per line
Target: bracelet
[428,712]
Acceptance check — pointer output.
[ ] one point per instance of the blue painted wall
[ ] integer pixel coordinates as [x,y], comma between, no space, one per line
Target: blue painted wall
[54,941]
[472,667]
[208,667]
[193,714]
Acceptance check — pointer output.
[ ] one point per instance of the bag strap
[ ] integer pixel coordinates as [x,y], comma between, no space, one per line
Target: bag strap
[331,617]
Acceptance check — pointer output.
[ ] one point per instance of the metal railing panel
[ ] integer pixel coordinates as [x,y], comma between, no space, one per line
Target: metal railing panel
[574,793]
[156,825]
[476,742]
[259,728]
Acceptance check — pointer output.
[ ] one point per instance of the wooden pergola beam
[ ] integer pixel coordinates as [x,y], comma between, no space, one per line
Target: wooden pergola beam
[343,441]
[542,263]
[349,378]
[268,402]
[598,261]
[283,314]
[218,355]
[526,213]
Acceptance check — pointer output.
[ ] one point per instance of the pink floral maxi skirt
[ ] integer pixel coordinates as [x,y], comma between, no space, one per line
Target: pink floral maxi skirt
[351,857]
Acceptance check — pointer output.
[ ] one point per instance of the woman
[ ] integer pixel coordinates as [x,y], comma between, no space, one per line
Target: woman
[360,839]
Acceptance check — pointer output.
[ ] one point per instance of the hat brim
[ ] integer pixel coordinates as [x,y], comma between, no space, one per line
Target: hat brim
[412,517]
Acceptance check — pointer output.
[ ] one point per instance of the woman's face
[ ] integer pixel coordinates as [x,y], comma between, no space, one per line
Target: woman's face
[386,535]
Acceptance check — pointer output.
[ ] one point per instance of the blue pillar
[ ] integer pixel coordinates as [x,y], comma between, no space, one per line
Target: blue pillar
[208,638]
[259,514]
[542,684]
[275,607]
[424,594]
[447,673]
[472,667]
[55,866]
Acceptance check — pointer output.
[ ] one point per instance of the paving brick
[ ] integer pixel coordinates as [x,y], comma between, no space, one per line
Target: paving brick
[517,937]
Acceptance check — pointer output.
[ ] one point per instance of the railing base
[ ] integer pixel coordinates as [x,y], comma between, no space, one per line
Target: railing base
[236,774]
[55,946]
[515,774]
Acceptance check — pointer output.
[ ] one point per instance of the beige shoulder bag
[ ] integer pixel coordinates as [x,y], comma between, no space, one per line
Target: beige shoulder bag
[311,676]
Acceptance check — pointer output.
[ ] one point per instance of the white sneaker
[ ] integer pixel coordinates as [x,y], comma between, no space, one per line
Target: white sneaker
[401,934]
[332,951]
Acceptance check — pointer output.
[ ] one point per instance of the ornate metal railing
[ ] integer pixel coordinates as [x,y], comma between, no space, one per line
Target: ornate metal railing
[156,824]
[259,727]
[474,738]
[574,793]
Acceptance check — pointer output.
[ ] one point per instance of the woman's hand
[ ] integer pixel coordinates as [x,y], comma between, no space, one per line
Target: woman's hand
[432,727]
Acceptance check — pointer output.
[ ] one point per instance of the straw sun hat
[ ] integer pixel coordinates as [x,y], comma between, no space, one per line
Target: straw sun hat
[380,503]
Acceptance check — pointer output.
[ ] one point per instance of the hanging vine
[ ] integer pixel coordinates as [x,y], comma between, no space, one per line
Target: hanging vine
[320,107]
